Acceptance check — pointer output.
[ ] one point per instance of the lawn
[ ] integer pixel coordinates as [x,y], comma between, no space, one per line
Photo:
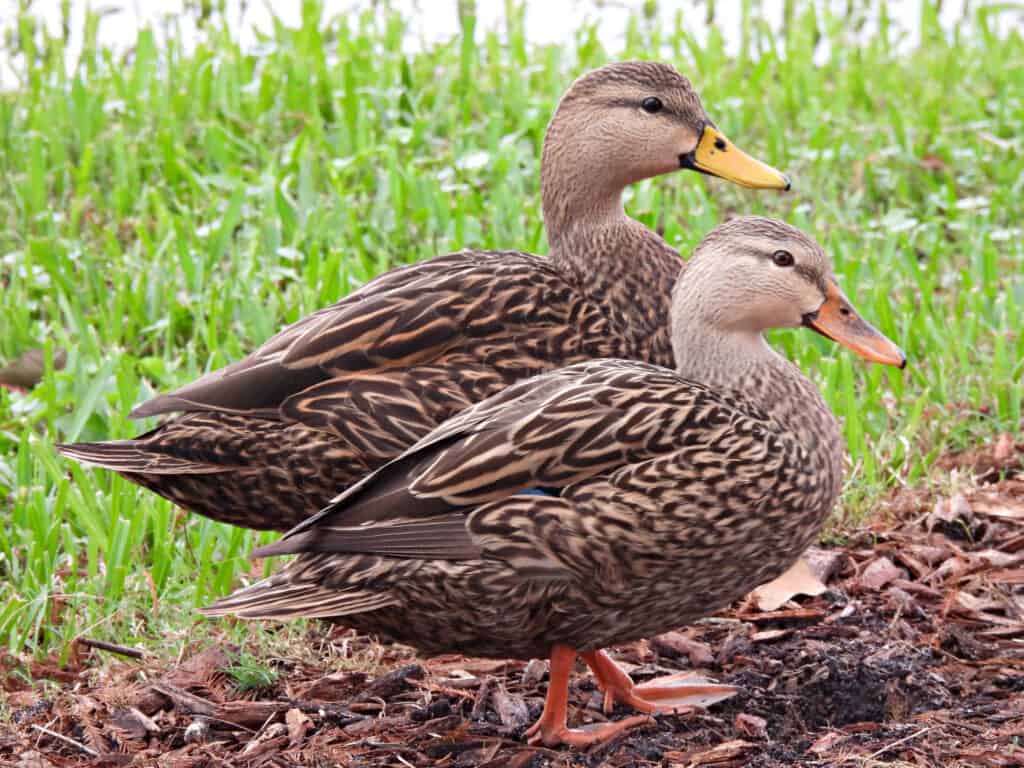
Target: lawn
[165,210]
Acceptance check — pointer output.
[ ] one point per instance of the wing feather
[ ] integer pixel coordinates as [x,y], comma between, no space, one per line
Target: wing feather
[407,316]
[497,448]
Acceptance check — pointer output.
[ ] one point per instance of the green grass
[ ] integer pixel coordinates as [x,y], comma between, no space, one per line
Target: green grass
[251,674]
[162,212]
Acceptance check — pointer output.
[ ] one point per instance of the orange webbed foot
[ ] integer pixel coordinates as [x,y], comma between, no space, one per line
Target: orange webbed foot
[552,730]
[682,693]
[553,735]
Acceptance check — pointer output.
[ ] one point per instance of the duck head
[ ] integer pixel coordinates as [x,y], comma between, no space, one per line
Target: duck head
[752,274]
[638,119]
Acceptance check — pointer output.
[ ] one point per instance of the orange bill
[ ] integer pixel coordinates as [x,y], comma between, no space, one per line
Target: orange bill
[715,155]
[836,319]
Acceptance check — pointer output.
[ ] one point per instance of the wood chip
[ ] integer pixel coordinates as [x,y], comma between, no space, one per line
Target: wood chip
[184,701]
[824,563]
[1002,507]
[915,566]
[394,682]
[534,672]
[133,723]
[879,573]
[916,588]
[248,714]
[927,553]
[722,754]
[679,645]
[262,746]
[1010,631]
[511,709]
[751,725]
[1004,447]
[770,635]
[337,686]
[825,744]
[793,614]
[483,696]
[456,683]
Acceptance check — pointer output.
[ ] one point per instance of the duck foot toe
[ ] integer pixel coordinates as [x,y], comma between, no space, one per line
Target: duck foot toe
[681,693]
[553,735]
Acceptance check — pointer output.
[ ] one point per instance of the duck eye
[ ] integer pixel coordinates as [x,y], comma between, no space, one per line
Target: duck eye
[782,259]
[651,104]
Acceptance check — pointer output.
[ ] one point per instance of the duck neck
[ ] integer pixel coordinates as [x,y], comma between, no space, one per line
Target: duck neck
[742,363]
[575,207]
[613,260]
[720,359]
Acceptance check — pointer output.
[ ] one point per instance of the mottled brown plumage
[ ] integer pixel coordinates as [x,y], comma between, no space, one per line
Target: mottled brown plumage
[667,495]
[269,440]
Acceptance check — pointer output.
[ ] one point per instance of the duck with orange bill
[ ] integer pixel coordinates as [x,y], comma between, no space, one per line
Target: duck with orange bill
[602,502]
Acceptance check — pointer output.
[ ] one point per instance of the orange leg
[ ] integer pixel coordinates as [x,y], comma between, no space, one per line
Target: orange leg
[680,693]
[551,729]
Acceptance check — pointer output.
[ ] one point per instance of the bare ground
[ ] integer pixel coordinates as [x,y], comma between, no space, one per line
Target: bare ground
[914,655]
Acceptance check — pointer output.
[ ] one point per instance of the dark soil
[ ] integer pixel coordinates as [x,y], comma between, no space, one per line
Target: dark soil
[913,656]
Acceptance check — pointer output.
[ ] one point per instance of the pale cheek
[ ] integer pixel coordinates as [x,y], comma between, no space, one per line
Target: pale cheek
[786,312]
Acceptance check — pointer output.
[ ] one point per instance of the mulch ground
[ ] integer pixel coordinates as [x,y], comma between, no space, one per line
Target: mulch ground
[914,655]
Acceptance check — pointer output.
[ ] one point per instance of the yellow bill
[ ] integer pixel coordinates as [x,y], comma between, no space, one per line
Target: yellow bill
[836,319]
[717,156]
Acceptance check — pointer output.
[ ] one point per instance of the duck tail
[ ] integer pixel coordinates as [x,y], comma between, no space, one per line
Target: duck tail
[275,598]
[133,456]
[289,545]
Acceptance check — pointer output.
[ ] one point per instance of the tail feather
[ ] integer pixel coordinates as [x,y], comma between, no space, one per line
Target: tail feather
[134,456]
[275,599]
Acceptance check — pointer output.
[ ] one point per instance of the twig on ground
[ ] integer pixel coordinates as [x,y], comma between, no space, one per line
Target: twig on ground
[896,743]
[67,740]
[101,645]
[187,702]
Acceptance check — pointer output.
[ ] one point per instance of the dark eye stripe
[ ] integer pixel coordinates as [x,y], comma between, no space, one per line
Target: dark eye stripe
[810,276]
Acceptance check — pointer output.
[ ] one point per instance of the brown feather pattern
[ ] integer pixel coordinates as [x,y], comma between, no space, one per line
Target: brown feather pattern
[268,441]
[660,494]
[666,496]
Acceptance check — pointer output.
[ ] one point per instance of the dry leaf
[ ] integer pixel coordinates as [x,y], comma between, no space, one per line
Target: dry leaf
[827,742]
[798,580]
[298,726]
